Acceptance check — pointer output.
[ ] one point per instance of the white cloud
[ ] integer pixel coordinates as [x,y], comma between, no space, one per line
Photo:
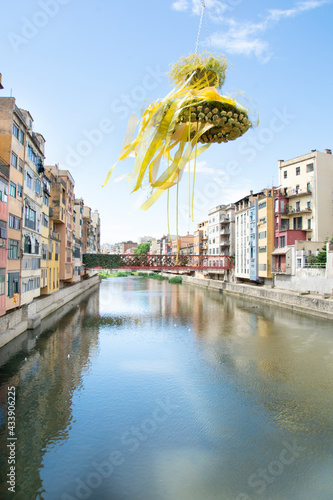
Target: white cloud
[180,5]
[244,37]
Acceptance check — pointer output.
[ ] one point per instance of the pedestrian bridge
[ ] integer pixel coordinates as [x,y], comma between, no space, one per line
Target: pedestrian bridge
[158,262]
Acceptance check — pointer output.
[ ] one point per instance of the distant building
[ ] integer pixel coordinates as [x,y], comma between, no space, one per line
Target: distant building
[78,243]
[96,228]
[62,204]
[221,225]
[183,241]
[200,240]
[144,239]
[246,258]
[303,203]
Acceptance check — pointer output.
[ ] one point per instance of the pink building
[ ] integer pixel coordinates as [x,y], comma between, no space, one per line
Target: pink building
[4,179]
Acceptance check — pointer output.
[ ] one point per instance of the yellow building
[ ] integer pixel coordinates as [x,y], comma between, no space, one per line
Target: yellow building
[53,263]
[265,234]
[50,245]
[45,236]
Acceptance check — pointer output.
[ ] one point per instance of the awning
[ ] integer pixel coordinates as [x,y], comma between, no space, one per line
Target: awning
[281,251]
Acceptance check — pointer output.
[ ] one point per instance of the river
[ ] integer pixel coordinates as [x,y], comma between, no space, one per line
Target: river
[144,390]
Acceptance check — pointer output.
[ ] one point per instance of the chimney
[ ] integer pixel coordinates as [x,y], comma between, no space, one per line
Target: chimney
[328,151]
[251,192]
[313,150]
[1,86]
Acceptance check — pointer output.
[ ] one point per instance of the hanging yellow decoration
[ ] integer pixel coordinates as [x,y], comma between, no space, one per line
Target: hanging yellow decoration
[171,128]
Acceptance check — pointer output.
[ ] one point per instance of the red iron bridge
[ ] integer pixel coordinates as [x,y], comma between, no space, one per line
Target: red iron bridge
[158,262]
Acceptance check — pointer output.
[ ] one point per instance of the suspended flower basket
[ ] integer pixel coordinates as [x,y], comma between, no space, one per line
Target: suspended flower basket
[171,128]
[205,74]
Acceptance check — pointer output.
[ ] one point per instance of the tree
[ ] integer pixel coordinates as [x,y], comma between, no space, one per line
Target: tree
[322,256]
[143,248]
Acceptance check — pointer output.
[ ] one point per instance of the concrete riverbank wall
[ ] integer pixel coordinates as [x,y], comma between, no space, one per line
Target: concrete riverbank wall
[307,304]
[30,316]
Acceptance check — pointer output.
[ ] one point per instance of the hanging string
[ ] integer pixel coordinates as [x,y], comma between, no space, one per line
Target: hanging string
[200,24]
[208,35]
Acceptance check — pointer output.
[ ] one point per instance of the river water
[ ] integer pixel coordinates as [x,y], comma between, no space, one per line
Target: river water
[145,390]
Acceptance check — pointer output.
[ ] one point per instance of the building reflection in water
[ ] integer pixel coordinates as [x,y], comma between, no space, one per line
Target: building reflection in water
[48,379]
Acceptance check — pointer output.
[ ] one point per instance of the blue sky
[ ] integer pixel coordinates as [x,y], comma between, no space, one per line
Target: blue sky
[82,67]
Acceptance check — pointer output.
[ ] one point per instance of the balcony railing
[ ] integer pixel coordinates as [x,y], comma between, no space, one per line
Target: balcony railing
[299,210]
[291,193]
[225,243]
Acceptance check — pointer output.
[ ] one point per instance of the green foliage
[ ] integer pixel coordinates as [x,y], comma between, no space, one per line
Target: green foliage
[321,258]
[143,248]
[103,260]
[210,70]
[176,279]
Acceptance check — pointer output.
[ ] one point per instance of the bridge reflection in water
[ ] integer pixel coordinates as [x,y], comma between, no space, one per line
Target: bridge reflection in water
[160,262]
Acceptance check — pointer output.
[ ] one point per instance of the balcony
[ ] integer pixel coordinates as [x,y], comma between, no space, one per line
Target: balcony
[54,235]
[224,220]
[225,243]
[293,193]
[225,231]
[305,210]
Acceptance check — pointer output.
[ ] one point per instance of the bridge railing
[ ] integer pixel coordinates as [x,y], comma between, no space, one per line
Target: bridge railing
[129,261]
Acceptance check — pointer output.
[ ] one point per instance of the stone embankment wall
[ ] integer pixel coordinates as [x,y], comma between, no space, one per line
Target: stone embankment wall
[309,304]
[30,316]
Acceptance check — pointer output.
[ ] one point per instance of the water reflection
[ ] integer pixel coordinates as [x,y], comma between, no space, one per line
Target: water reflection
[196,391]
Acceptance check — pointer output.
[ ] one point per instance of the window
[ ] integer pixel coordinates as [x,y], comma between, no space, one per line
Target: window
[13,249]
[297,189]
[262,249]
[309,167]
[284,224]
[12,189]
[308,187]
[262,205]
[282,241]
[298,170]
[45,200]
[27,244]
[16,130]
[308,204]
[285,174]
[13,284]
[19,190]
[20,166]
[29,180]
[309,223]
[2,281]
[30,218]
[298,206]
[297,222]
[44,252]
[299,262]
[21,137]
[45,220]
[14,222]
[276,242]
[13,159]
[36,247]
[262,235]
[38,187]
